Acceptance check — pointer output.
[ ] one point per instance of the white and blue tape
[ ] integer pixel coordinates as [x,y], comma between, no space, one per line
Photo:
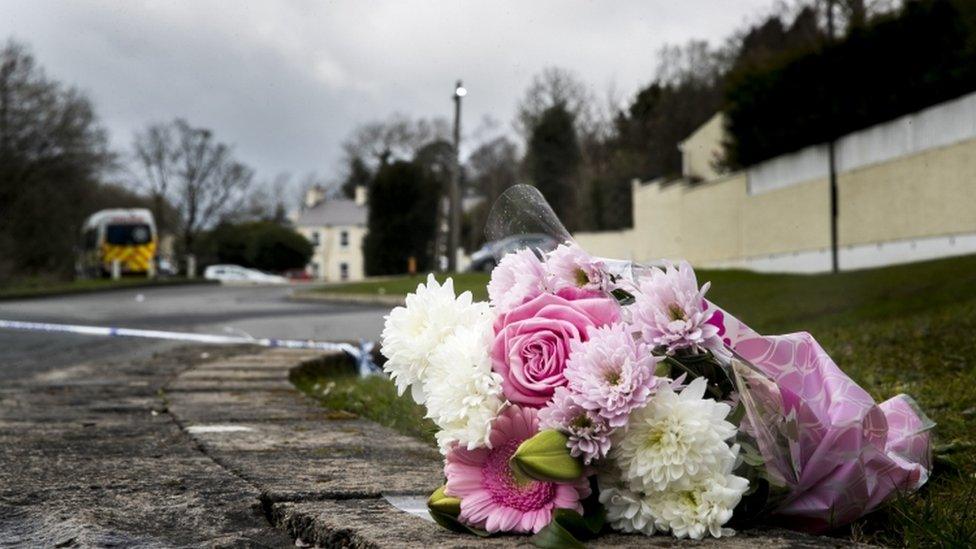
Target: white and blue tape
[361,353]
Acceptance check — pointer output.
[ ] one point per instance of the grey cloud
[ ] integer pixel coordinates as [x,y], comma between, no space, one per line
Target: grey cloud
[286,81]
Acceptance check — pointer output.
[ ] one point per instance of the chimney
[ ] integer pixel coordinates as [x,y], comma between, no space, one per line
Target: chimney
[360,195]
[314,196]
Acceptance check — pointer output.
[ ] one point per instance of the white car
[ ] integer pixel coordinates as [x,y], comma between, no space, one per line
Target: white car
[241,275]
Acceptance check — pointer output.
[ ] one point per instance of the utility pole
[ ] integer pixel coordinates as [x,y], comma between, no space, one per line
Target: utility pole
[832,162]
[454,234]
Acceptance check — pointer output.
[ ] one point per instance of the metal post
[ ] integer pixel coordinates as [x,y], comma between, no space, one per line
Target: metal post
[116,269]
[834,253]
[454,235]
[832,161]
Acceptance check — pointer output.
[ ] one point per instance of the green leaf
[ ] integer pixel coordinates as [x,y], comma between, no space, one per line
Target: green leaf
[594,513]
[623,297]
[445,509]
[596,519]
[554,536]
[568,527]
[440,502]
[574,523]
[737,415]
[546,457]
[454,525]
[700,365]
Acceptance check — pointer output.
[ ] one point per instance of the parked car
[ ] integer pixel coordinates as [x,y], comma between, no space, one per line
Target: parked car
[165,267]
[491,253]
[298,274]
[241,275]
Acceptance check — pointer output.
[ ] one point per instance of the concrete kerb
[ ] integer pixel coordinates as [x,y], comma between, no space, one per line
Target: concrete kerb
[347,299]
[322,475]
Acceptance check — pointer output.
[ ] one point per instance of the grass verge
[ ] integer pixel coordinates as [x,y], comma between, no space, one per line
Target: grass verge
[463,282]
[903,329]
[29,288]
[336,386]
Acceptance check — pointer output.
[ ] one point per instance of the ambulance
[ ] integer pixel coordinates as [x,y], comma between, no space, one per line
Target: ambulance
[124,235]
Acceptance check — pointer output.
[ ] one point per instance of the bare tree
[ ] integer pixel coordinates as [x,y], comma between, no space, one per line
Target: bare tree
[694,63]
[555,86]
[196,173]
[53,152]
[493,167]
[268,200]
[330,188]
[399,137]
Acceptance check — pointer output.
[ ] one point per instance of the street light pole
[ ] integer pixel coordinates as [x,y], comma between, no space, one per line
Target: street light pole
[454,236]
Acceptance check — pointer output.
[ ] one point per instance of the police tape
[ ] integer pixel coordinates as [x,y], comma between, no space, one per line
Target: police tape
[362,353]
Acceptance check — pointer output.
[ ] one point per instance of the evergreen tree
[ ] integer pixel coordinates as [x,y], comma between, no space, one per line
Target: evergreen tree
[554,162]
[402,219]
[358,176]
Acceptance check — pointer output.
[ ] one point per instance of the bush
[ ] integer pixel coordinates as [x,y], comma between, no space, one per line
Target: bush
[260,245]
[924,55]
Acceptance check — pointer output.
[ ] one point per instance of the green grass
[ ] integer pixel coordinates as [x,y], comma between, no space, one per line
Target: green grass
[905,329]
[39,287]
[374,398]
[473,282]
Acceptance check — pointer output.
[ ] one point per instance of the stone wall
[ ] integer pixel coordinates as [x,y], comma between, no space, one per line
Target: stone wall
[893,208]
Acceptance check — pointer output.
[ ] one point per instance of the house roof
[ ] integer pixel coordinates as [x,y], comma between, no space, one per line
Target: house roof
[333,213]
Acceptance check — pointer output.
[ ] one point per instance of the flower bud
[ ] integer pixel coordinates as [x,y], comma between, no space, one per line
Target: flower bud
[442,503]
[546,457]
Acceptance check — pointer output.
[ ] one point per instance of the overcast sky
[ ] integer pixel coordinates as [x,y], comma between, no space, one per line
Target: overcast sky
[286,81]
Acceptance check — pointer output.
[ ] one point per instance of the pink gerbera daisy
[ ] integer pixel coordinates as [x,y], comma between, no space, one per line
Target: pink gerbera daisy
[492,498]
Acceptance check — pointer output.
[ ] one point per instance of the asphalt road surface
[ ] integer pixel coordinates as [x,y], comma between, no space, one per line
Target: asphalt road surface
[262,311]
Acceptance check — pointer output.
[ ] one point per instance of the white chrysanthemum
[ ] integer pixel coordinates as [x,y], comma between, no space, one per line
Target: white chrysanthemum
[413,332]
[627,511]
[674,439]
[700,509]
[463,393]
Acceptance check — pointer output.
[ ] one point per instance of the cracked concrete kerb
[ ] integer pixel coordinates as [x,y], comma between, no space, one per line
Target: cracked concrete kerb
[180,451]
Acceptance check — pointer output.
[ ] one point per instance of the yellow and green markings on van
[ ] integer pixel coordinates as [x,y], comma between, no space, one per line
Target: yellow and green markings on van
[133,258]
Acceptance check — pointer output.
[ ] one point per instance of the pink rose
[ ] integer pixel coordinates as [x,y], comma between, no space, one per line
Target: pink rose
[532,342]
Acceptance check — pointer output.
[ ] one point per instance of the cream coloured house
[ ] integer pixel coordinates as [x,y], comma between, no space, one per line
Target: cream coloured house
[702,151]
[336,228]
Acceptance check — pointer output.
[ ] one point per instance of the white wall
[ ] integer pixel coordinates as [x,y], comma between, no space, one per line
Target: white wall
[906,192]
[937,126]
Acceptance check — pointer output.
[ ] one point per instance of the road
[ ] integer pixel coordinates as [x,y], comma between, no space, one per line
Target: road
[258,311]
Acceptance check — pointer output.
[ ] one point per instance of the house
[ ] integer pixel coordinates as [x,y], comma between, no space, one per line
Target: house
[702,151]
[336,227]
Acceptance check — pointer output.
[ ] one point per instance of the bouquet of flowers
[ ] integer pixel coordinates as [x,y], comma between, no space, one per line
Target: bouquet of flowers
[591,393]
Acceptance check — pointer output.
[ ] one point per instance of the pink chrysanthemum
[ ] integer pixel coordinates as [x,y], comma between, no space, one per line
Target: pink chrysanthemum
[571,267]
[491,497]
[611,373]
[669,311]
[519,277]
[589,434]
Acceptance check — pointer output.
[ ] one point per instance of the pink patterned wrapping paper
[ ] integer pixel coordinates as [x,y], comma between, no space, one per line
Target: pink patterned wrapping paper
[838,452]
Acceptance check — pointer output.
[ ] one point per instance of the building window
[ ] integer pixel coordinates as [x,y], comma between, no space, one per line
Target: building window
[315,238]
[344,271]
[344,239]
